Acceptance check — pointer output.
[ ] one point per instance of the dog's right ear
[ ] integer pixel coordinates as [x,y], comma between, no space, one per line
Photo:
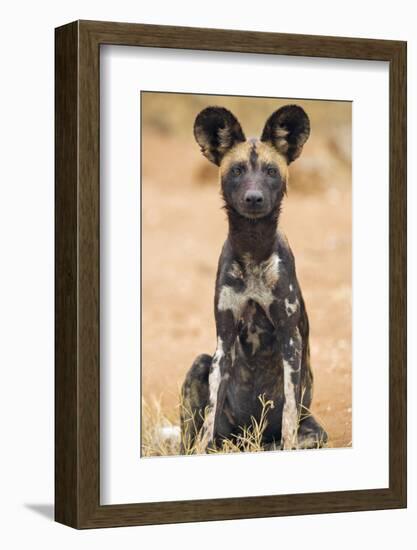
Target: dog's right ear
[217,130]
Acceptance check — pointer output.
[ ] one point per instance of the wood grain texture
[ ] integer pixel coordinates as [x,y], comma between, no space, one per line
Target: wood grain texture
[78,287]
[66,237]
[398,273]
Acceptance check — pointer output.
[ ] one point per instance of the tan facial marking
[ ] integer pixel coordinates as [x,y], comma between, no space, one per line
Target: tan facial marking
[266,154]
[238,153]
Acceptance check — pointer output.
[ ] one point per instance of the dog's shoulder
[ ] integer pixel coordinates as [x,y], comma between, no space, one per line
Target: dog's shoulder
[284,252]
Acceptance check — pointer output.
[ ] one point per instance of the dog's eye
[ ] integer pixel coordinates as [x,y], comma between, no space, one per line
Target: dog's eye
[272,171]
[237,171]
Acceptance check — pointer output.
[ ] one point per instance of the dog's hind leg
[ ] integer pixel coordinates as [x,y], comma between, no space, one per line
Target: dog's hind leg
[194,400]
[311,435]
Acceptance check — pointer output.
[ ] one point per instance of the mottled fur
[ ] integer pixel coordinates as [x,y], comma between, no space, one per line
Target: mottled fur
[261,319]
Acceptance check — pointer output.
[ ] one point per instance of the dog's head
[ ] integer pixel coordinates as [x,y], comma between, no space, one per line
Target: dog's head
[253,172]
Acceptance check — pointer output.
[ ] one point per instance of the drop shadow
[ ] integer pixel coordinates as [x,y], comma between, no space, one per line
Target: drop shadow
[45,510]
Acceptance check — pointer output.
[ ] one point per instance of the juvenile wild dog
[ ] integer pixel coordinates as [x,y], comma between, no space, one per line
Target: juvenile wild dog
[261,320]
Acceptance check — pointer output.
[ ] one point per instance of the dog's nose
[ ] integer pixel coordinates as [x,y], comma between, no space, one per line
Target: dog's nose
[253,198]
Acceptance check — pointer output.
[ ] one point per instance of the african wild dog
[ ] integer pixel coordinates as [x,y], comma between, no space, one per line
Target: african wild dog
[261,320]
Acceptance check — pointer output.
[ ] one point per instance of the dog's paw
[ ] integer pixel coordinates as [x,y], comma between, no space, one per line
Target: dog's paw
[289,444]
[274,446]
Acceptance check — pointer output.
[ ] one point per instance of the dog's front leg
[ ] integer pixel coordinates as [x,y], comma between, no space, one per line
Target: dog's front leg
[285,316]
[219,375]
[291,359]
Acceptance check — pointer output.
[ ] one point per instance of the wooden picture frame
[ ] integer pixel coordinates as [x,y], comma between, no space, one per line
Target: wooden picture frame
[77,372]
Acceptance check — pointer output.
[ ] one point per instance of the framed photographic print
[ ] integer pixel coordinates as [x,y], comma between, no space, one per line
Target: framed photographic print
[230,274]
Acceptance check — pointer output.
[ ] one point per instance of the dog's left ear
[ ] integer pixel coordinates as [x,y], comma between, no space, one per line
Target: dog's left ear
[287,129]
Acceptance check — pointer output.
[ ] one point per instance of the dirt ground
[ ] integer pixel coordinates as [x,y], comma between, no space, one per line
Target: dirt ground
[183,229]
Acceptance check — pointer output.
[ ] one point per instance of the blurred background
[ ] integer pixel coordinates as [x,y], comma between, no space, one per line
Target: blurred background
[184,227]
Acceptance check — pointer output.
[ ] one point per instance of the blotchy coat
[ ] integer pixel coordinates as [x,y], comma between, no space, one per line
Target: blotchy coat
[262,349]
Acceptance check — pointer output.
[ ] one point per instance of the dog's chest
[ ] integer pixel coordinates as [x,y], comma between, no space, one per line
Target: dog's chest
[250,281]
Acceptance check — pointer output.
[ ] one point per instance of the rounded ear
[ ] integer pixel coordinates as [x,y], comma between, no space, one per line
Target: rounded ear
[287,129]
[216,130]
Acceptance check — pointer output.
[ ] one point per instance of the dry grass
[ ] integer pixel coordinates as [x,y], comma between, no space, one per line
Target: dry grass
[161,434]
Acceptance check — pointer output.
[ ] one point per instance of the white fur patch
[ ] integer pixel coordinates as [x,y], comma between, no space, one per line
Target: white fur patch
[231,300]
[289,413]
[254,340]
[270,270]
[280,132]
[291,308]
[170,433]
[259,279]
[224,137]
[215,376]
[236,271]
[214,384]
